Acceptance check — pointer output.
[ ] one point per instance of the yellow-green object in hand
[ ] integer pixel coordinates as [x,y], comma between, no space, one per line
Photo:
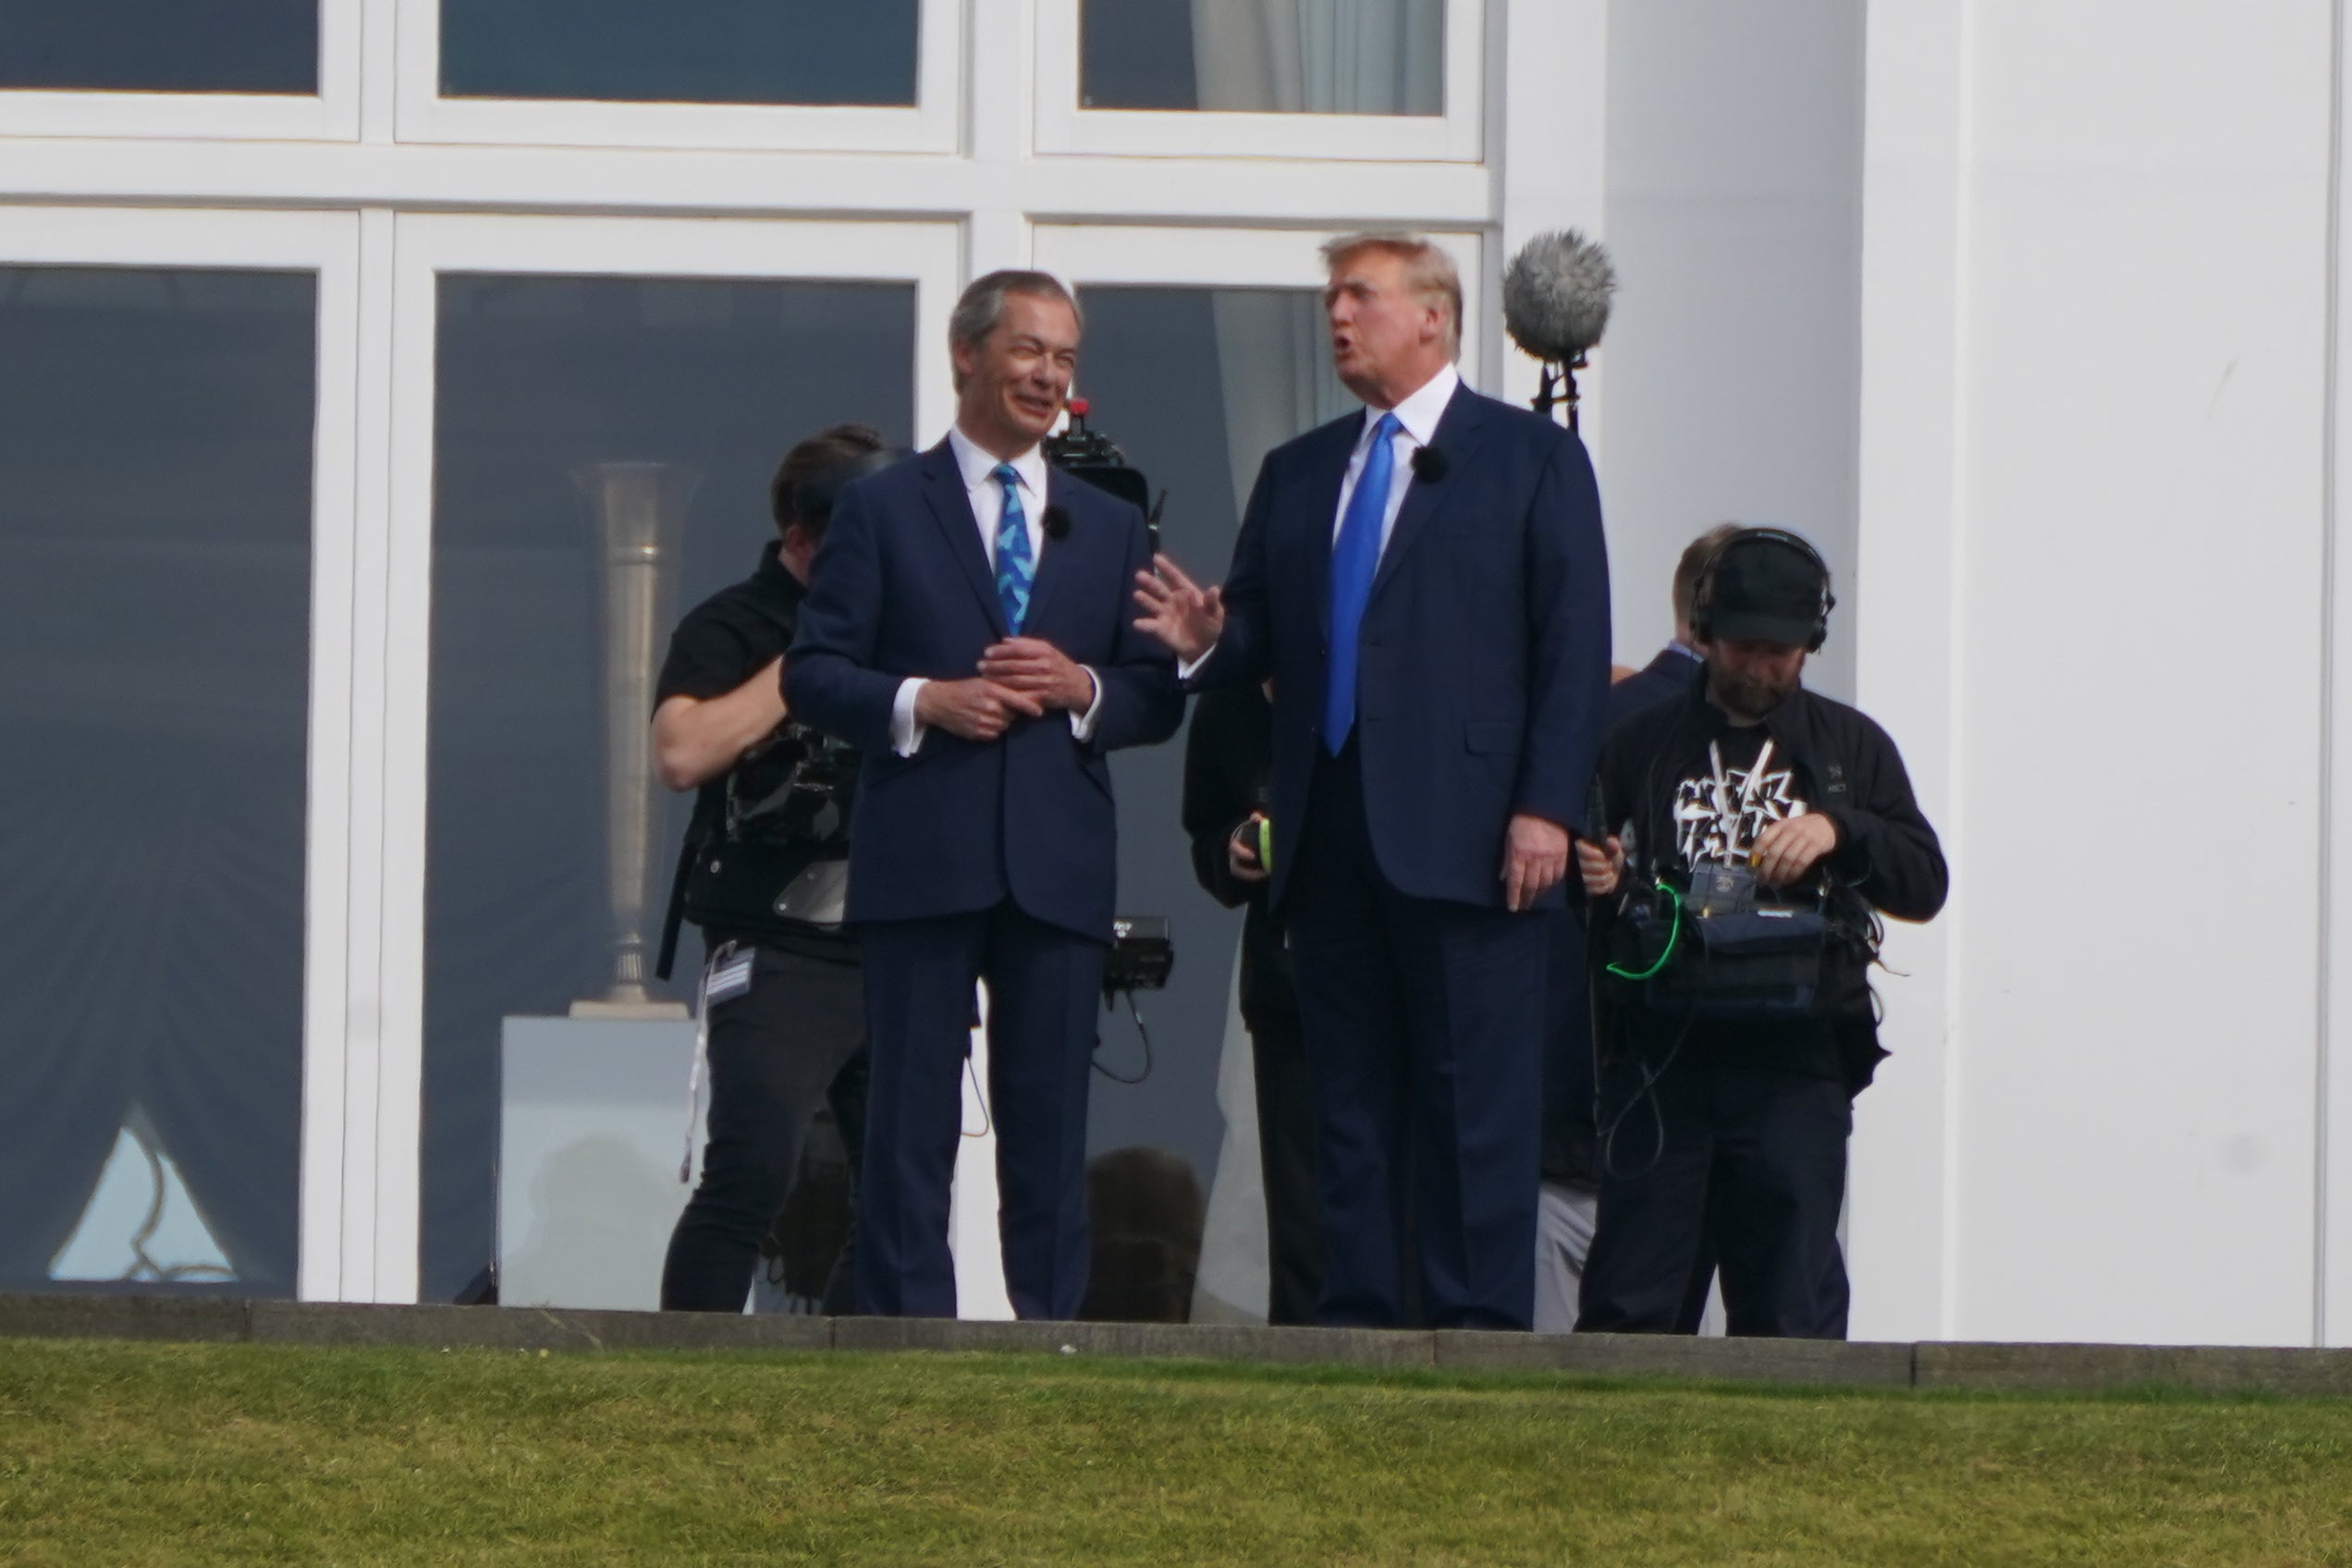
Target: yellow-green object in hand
[1265,846]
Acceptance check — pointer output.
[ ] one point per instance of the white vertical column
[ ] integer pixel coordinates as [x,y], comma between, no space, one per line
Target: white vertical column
[2331,1296]
[334,759]
[1906,630]
[1546,128]
[999,134]
[407,595]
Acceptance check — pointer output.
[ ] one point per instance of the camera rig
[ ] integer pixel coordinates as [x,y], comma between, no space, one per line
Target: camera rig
[1088,454]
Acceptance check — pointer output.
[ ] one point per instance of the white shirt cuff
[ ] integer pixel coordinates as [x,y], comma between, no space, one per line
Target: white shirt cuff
[906,735]
[1187,669]
[1082,725]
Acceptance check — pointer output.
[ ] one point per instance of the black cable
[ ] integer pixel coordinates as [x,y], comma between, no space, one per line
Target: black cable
[1137,1013]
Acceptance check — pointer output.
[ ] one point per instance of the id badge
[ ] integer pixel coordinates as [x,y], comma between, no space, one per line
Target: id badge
[730,977]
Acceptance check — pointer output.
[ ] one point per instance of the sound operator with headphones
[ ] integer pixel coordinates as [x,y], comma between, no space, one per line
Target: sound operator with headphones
[1759,831]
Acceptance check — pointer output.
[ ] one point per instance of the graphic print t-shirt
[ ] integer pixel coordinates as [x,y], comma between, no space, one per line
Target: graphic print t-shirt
[1726,798]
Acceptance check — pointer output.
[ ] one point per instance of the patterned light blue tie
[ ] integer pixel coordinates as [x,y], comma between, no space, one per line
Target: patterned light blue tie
[1355,558]
[1016,571]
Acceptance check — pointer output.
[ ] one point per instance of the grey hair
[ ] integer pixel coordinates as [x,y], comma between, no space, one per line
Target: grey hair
[981,306]
[1428,271]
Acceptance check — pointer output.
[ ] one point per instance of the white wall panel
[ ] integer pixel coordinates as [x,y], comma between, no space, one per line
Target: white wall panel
[1734,214]
[2137,687]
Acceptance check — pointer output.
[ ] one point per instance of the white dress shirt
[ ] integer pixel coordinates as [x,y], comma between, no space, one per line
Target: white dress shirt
[978,468]
[1417,418]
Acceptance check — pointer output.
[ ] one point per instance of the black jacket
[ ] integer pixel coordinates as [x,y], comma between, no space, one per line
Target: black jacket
[1847,769]
[1569,1089]
[1227,754]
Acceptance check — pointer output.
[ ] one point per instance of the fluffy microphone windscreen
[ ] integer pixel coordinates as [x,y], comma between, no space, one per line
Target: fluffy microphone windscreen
[1556,295]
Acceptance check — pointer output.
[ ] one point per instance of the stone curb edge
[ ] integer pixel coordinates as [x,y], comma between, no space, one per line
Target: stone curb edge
[2077,1367]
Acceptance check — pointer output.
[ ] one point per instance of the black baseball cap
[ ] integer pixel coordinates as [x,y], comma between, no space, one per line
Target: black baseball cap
[1767,590]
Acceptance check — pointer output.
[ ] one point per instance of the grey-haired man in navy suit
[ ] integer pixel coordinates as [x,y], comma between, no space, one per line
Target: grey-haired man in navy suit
[968,629]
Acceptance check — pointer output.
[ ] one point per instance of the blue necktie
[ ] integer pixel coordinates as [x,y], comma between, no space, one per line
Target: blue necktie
[1016,572]
[1355,558]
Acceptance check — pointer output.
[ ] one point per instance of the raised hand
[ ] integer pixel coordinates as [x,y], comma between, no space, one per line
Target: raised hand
[1178,611]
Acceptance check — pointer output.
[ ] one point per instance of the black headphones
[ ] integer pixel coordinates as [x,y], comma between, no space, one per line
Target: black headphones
[1702,622]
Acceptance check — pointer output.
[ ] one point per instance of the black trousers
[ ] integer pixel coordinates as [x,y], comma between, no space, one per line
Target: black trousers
[1752,1166]
[1424,1051]
[776,1053]
[1286,1163]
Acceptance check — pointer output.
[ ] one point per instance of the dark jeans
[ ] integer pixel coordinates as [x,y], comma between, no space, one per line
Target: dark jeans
[775,1052]
[1752,1165]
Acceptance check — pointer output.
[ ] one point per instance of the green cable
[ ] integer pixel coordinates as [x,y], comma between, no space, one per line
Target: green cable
[1674,934]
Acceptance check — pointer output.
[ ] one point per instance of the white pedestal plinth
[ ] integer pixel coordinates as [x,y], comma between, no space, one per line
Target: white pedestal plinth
[592,1126]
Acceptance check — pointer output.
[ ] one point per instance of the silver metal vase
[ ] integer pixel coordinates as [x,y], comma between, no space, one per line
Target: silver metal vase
[637,521]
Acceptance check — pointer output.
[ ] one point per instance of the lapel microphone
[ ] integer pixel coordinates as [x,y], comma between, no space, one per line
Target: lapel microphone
[1057,522]
[1430,465]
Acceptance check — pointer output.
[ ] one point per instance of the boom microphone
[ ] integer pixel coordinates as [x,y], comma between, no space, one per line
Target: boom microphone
[1555,305]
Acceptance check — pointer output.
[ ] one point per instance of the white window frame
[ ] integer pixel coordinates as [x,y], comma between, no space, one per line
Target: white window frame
[1110,255]
[931,125]
[338,1087]
[926,254]
[1455,136]
[332,115]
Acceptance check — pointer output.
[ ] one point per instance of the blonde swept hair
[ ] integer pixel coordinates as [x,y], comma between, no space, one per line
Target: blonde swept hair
[1428,271]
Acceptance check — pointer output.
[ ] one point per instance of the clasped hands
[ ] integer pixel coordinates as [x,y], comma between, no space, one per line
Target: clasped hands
[1020,678]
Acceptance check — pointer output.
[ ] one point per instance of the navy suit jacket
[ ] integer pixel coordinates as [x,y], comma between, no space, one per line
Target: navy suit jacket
[901,587]
[1484,650]
[1668,675]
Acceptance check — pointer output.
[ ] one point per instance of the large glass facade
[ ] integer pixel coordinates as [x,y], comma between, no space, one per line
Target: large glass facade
[1264,56]
[160,45]
[712,51]
[540,381]
[156,518]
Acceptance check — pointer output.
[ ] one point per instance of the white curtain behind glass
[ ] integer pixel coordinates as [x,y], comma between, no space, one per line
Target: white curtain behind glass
[1320,56]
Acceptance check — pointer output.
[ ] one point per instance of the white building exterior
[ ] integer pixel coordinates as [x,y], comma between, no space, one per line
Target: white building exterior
[2028,312]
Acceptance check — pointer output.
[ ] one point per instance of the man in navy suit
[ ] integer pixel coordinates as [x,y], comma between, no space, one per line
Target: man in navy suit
[1426,584]
[968,629]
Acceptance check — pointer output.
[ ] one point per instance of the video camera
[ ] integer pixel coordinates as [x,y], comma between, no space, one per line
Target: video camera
[1096,458]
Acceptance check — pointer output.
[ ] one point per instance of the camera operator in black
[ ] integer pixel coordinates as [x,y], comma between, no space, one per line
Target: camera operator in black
[773,802]
[1732,1131]
[1229,756]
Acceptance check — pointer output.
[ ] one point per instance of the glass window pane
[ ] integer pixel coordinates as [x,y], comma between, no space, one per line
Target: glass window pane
[155,431]
[714,52]
[539,379]
[1195,384]
[160,45]
[1264,56]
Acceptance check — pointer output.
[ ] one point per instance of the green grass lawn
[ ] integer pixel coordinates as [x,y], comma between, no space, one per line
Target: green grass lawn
[155,1453]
